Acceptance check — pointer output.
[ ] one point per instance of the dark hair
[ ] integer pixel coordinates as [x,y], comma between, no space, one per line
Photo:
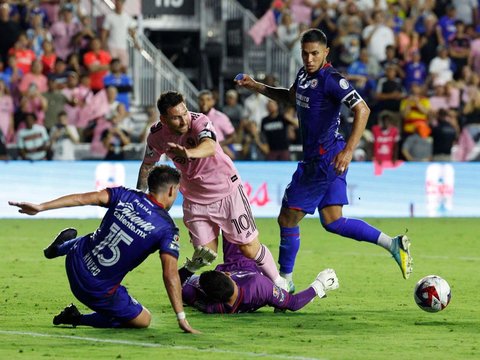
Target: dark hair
[115,61]
[216,285]
[314,35]
[161,177]
[167,100]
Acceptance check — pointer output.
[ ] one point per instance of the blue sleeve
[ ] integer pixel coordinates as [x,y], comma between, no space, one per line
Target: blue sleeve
[339,89]
[115,194]
[170,242]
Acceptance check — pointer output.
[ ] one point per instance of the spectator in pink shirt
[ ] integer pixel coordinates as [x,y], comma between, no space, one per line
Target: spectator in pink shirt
[6,113]
[35,103]
[34,77]
[76,96]
[223,126]
[64,31]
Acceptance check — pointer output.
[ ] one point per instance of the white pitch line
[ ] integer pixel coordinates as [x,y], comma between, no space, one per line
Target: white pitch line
[155,345]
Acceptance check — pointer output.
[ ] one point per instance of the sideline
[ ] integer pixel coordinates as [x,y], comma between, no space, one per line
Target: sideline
[156,345]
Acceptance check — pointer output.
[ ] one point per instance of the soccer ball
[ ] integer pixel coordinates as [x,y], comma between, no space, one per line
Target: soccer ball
[432,293]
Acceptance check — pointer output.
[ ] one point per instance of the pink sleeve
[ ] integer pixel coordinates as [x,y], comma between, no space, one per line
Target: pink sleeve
[152,150]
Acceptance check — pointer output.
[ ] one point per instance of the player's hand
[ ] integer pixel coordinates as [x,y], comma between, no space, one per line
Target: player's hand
[26,208]
[202,256]
[342,161]
[185,326]
[178,150]
[245,81]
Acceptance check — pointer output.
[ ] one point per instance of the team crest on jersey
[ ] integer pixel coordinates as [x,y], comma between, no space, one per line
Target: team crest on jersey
[313,83]
[344,84]
[149,152]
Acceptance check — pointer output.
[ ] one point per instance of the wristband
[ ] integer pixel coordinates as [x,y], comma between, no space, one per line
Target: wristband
[181,315]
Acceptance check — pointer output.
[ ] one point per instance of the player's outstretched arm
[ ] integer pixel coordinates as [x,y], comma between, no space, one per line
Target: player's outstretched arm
[143,176]
[281,95]
[91,198]
[171,279]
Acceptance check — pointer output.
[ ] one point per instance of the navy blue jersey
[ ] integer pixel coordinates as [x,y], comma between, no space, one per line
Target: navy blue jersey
[318,100]
[134,226]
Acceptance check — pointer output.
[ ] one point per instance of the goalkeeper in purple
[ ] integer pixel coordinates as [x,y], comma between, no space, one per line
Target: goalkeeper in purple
[319,183]
[135,225]
[238,286]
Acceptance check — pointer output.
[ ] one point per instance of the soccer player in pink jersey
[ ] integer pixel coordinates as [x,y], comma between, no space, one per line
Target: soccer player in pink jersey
[213,194]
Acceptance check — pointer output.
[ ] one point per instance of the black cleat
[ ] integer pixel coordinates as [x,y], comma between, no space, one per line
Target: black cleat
[51,251]
[70,316]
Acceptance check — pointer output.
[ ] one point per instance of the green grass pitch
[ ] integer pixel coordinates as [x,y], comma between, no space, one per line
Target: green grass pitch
[371,316]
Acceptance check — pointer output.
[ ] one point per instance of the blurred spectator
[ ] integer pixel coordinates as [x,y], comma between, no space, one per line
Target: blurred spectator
[378,36]
[35,77]
[385,138]
[74,64]
[114,138]
[35,103]
[417,147]
[350,18]
[445,97]
[363,73]
[56,103]
[75,99]
[347,43]
[474,58]
[32,141]
[471,110]
[469,83]
[122,82]
[233,109]
[6,114]
[84,37]
[223,127]
[440,67]
[415,71]
[446,25]
[255,108]
[415,109]
[459,48]
[288,30]
[275,131]
[48,57]
[116,28]
[445,131]
[408,40]
[64,31]
[23,54]
[59,73]
[9,29]
[390,91]
[152,117]
[466,11]
[429,40]
[391,59]
[12,75]
[51,8]
[323,18]
[254,147]
[63,137]
[37,33]
[3,147]
[97,62]
[469,143]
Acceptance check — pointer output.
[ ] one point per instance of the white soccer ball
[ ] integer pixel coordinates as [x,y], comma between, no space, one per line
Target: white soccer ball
[432,293]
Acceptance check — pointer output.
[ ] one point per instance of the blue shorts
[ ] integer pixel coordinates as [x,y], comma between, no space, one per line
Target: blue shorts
[113,302]
[315,184]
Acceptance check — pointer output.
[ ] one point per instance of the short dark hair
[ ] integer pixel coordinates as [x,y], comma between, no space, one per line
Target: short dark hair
[314,35]
[167,100]
[161,177]
[216,285]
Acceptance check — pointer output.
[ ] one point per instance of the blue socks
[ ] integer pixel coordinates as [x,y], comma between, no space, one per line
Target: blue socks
[289,245]
[66,246]
[98,321]
[354,229]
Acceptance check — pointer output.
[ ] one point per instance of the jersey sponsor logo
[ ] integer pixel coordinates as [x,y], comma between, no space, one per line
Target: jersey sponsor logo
[234,178]
[142,206]
[313,83]
[175,243]
[344,84]
[302,101]
[126,214]
[352,99]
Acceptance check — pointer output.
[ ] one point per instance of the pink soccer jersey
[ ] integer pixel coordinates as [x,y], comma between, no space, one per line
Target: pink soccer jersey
[203,181]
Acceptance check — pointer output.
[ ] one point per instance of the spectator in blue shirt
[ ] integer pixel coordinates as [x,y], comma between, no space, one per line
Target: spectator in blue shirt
[121,81]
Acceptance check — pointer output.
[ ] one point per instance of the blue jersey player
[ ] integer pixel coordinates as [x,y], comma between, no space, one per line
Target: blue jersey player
[136,224]
[320,179]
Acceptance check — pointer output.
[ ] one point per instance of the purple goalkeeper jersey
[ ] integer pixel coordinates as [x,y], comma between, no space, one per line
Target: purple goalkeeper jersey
[134,226]
[255,290]
[318,100]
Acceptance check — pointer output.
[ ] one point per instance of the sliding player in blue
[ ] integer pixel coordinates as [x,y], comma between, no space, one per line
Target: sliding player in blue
[320,179]
[136,224]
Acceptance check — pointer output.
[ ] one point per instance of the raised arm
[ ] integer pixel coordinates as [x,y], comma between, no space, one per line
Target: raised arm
[205,149]
[281,95]
[91,198]
[143,176]
[171,279]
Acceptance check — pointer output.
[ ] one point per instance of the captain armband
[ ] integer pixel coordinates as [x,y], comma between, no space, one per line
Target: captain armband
[352,99]
[206,133]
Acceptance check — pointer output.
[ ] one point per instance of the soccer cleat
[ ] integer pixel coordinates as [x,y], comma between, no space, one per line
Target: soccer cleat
[51,251]
[202,256]
[325,281]
[400,251]
[69,316]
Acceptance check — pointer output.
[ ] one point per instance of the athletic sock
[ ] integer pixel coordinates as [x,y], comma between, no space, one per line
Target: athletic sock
[354,229]
[65,247]
[265,262]
[98,321]
[384,241]
[289,245]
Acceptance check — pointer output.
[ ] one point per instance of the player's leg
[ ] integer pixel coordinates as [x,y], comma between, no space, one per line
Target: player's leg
[62,243]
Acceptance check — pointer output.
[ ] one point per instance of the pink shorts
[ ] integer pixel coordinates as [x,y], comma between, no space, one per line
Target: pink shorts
[232,215]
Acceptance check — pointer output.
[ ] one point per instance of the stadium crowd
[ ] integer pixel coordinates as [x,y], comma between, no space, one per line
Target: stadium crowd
[416,63]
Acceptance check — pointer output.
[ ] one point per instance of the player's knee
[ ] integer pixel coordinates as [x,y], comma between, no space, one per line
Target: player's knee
[143,320]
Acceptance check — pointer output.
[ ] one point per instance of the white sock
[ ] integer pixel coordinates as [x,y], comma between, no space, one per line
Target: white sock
[384,241]
[288,276]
